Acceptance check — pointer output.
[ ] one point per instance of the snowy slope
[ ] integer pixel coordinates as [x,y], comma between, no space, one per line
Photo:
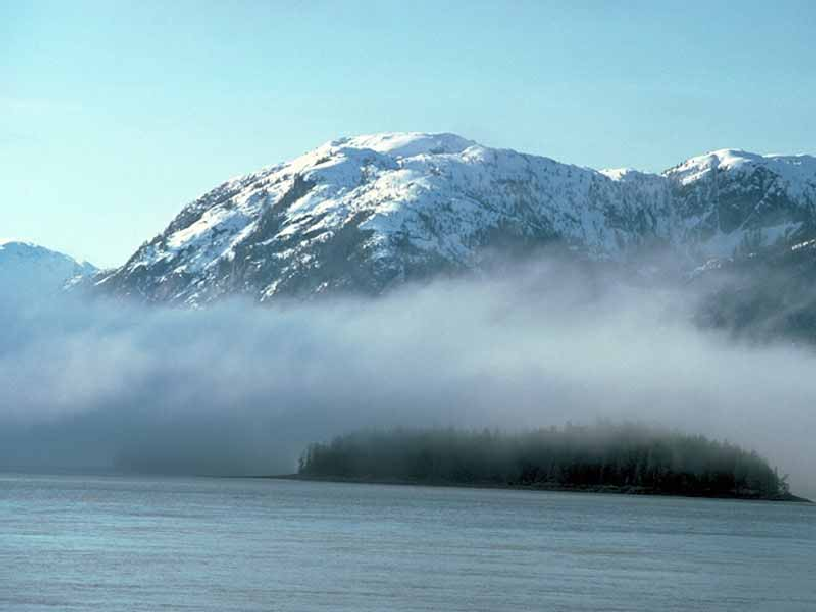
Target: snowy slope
[731,198]
[29,271]
[367,212]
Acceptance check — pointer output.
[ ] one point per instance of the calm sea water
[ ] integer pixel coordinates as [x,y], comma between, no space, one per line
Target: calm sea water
[110,543]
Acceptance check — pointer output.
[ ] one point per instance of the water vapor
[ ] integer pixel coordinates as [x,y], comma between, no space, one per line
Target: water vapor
[240,389]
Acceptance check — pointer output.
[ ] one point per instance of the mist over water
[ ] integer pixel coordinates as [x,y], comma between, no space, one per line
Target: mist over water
[240,389]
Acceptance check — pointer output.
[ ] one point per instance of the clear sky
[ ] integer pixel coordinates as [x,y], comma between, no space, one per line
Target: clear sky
[114,114]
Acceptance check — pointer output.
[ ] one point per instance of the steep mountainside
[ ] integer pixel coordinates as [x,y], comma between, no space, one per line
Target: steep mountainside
[29,271]
[365,213]
[768,295]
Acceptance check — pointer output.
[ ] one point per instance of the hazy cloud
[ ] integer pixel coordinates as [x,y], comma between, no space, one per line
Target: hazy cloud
[239,389]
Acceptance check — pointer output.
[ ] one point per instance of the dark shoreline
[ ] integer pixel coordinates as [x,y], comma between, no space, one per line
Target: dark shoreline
[604,490]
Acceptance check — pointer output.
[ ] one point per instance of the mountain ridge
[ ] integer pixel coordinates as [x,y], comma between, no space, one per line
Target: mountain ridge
[365,213]
[29,271]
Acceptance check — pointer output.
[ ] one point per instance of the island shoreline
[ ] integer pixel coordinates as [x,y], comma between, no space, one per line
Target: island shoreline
[540,487]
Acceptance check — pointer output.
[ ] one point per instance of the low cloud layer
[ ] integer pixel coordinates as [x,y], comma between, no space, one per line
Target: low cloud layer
[239,389]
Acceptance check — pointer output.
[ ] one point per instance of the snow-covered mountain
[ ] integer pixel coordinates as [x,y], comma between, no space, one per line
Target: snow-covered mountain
[768,296]
[29,271]
[369,212]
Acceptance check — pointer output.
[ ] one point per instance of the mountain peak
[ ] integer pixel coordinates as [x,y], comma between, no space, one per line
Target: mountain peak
[32,249]
[797,171]
[694,167]
[16,242]
[407,144]
[30,271]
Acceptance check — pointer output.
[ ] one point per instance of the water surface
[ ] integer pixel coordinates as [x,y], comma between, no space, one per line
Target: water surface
[116,543]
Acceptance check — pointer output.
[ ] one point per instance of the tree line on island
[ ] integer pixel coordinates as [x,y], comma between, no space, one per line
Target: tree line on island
[623,458]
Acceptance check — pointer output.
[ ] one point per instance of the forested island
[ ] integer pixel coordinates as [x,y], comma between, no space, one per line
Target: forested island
[600,458]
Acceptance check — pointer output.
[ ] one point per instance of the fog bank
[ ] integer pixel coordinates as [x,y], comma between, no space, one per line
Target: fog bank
[239,389]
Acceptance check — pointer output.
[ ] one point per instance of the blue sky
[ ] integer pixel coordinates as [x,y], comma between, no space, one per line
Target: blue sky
[115,114]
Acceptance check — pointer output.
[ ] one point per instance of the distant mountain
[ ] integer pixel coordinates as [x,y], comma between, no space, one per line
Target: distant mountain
[29,271]
[366,213]
[766,294]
